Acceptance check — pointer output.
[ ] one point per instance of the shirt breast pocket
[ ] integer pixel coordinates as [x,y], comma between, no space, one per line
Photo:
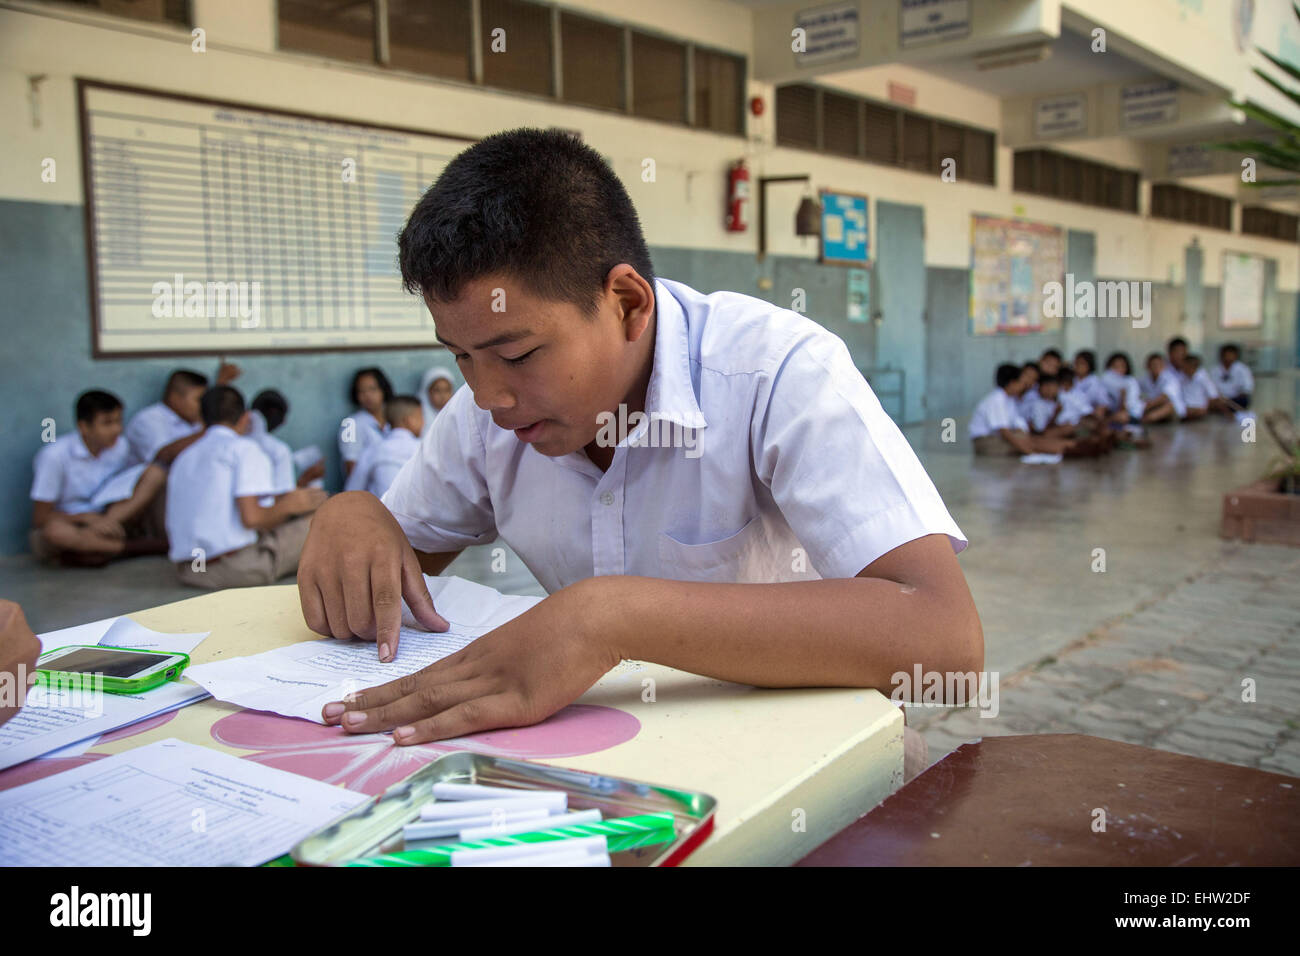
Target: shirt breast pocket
[740,557]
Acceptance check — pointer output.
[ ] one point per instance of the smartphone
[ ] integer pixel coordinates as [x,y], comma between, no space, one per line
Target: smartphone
[122,670]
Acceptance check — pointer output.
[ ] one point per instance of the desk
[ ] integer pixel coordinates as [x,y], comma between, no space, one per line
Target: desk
[765,755]
[1021,800]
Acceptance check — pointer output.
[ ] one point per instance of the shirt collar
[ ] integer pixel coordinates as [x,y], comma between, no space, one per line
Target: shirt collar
[79,449]
[223,430]
[671,392]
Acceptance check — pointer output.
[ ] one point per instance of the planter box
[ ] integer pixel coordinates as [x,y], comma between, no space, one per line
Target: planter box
[1259,512]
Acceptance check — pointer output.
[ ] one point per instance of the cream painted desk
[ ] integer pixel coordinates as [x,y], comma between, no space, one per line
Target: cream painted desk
[789,768]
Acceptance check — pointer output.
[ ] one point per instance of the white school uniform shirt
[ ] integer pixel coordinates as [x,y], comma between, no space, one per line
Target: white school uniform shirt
[1074,406]
[381,461]
[1235,380]
[67,475]
[278,452]
[1028,402]
[795,473]
[1041,412]
[1170,383]
[995,411]
[204,481]
[1198,389]
[1124,392]
[154,427]
[1091,388]
[365,429]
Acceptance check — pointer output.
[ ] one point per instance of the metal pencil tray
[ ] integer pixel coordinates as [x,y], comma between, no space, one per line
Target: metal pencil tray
[376,826]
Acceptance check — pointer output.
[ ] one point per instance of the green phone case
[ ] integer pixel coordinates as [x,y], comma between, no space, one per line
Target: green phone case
[113,685]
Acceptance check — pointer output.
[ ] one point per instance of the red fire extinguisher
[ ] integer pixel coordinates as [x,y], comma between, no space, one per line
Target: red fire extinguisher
[737,197]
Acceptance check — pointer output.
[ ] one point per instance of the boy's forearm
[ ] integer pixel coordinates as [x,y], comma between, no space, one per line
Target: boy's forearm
[855,632]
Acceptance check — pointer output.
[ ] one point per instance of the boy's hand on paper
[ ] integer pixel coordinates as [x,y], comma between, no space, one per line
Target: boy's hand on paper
[516,675]
[355,569]
[19,649]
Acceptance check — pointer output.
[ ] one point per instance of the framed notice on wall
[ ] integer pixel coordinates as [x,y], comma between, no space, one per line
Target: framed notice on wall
[844,229]
[1242,299]
[218,227]
[1012,263]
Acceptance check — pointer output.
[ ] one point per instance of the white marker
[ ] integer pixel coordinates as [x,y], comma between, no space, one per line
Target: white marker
[426,830]
[556,802]
[476,791]
[527,826]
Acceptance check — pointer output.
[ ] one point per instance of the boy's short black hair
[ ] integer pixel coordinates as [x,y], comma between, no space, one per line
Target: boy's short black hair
[539,206]
[1066,375]
[1176,340]
[184,378]
[1227,347]
[1128,364]
[385,385]
[1192,358]
[1089,356]
[1033,365]
[221,405]
[399,406]
[1154,355]
[1007,373]
[96,402]
[1048,380]
[273,406]
[1051,353]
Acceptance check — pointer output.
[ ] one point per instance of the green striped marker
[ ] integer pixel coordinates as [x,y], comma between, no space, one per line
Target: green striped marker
[623,833]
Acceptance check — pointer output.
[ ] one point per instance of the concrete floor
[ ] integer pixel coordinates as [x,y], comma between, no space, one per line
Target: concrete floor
[1033,532]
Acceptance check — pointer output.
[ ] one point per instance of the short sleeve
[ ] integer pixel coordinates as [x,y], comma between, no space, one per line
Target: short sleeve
[360,476]
[440,497]
[252,470]
[47,477]
[351,442]
[843,475]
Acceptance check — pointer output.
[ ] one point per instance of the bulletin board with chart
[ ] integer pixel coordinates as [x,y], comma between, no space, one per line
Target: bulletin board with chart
[220,228]
[1011,262]
[1242,297]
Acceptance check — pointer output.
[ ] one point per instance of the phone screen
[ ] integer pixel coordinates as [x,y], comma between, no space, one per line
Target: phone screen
[103,660]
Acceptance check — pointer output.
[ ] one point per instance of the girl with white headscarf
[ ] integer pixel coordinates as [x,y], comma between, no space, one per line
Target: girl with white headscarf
[434,395]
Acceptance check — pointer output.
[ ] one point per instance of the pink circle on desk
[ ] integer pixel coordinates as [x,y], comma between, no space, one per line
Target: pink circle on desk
[370,763]
[42,767]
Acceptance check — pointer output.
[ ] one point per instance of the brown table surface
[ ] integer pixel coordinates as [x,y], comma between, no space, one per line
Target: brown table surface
[1031,800]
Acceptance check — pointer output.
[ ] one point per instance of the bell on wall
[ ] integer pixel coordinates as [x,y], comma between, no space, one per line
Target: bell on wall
[808,220]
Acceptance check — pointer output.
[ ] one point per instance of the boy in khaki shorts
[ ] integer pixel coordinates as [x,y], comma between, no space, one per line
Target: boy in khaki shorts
[222,533]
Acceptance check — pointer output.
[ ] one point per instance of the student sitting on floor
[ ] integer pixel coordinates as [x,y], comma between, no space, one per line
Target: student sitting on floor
[436,389]
[1177,349]
[997,427]
[268,413]
[88,503]
[382,460]
[370,390]
[162,430]
[1128,406]
[1162,381]
[1075,409]
[221,535]
[1200,393]
[1233,378]
[773,496]
[1049,363]
[1028,400]
[1089,385]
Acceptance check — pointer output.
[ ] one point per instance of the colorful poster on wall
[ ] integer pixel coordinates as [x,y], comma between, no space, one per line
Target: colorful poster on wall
[1243,291]
[844,228]
[1012,261]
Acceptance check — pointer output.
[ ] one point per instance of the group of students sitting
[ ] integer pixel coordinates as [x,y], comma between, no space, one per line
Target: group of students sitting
[1049,407]
[200,477]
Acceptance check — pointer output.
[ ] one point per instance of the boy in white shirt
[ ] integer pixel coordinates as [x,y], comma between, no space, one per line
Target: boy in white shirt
[998,428]
[1233,379]
[161,431]
[77,516]
[1199,390]
[1161,380]
[1089,386]
[221,535]
[382,460]
[268,412]
[695,479]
